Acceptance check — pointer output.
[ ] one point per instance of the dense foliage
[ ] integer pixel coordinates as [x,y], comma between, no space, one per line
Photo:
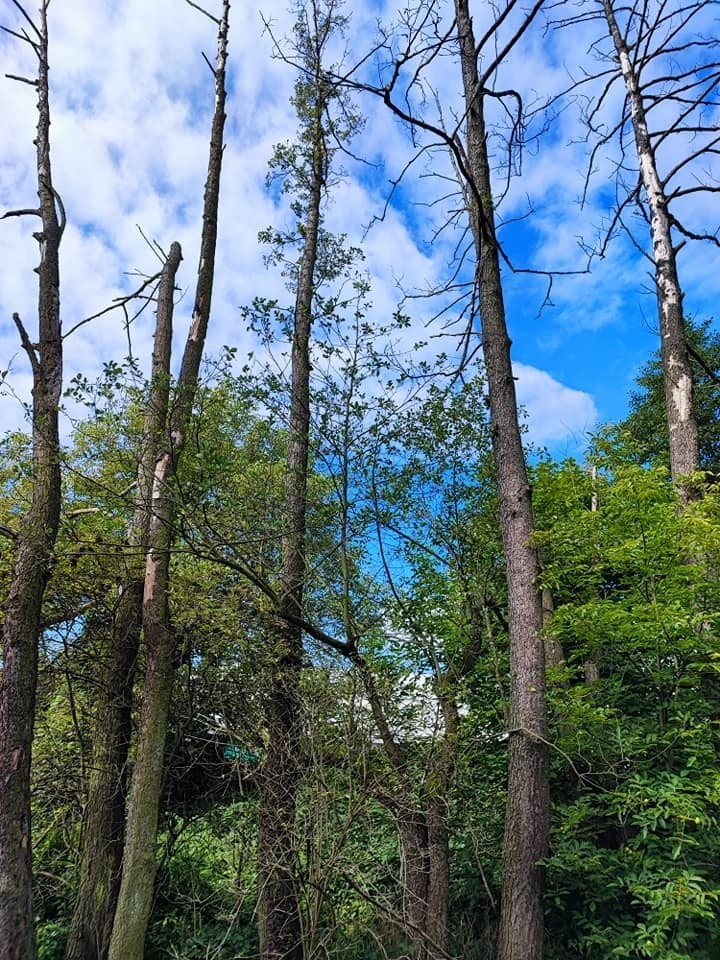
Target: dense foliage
[633,870]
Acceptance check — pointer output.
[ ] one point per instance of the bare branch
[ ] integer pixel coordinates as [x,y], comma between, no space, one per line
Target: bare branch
[22,213]
[30,348]
[215,20]
[118,302]
[30,20]
[13,76]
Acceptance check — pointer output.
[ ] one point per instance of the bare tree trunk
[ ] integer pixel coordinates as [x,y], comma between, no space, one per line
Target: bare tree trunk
[139,864]
[280,927]
[677,371]
[22,625]
[104,821]
[527,817]
[135,893]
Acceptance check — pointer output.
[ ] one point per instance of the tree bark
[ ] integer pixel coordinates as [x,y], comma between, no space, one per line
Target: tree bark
[104,820]
[677,371]
[414,876]
[279,914]
[35,543]
[139,863]
[527,817]
[438,904]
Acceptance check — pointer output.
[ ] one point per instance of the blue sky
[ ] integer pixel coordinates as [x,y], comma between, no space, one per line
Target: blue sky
[131,101]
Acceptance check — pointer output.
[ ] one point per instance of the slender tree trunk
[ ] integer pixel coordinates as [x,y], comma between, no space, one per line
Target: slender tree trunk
[139,863]
[22,624]
[677,371]
[554,654]
[138,874]
[438,791]
[104,821]
[527,817]
[279,914]
[104,817]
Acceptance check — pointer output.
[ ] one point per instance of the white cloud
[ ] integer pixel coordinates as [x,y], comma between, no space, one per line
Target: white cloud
[131,102]
[555,412]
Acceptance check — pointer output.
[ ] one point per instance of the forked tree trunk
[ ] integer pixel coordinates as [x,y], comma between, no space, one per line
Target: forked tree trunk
[527,817]
[104,820]
[677,371]
[35,543]
[139,863]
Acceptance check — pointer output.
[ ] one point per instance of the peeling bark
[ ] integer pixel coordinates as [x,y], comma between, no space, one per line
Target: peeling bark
[677,371]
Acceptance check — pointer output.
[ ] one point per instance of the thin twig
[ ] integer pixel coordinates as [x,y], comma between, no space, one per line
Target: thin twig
[197,6]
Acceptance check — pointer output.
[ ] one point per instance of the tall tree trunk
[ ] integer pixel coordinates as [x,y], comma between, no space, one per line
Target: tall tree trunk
[139,863]
[677,371]
[527,816]
[279,914]
[35,543]
[104,821]
[138,874]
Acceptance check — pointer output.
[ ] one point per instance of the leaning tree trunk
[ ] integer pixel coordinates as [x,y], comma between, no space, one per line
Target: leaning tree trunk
[35,543]
[104,820]
[677,371]
[139,864]
[527,817]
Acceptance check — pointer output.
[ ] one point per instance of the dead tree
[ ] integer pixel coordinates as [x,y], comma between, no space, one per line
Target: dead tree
[666,57]
[36,538]
[305,168]
[139,865]
[104,815]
